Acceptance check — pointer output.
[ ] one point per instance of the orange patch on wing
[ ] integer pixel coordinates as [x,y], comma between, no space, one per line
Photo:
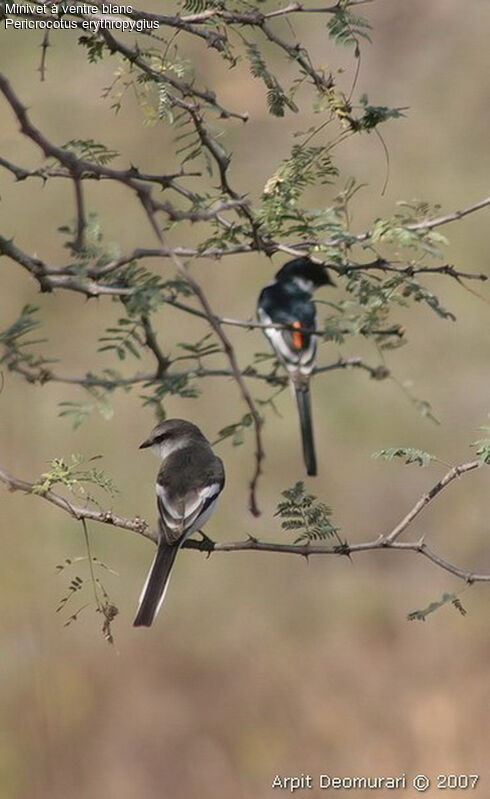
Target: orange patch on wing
[297,336]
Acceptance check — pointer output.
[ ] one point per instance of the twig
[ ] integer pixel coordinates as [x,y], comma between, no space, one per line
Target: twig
[410,270]
[49,279]
[185,89]
[44,51]
[135,525]
[429,224]
[237,374]
[455,472]
[81,218]
[438,221]
[255,18]
[151,342]
[77,166]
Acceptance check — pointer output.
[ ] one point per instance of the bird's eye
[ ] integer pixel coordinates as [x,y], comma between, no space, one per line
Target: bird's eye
[161,438]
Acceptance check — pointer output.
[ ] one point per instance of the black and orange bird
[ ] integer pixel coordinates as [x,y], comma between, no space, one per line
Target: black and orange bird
[288,304]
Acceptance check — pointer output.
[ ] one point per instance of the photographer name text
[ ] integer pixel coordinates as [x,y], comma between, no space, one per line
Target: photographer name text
[328,782]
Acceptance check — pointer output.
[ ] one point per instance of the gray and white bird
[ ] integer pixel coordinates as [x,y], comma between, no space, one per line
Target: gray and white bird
[189,482]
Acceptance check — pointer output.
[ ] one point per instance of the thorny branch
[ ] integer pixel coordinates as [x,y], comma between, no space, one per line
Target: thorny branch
[43,375]
[136,525]
[238,376]
[236,373]
[52,278]
[383,542]
[79,169]
[455,472]
[188,98]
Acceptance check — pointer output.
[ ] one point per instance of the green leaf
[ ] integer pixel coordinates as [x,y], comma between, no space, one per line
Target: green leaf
[305,166]
[94,46]
[277,99]
[421,615]
[70,474]
[409,455]
[91,150]
[374,115]
[346,28]
[304,514]
[483,448]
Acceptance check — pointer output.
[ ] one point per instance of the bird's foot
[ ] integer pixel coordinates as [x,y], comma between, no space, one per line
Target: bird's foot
[206,544]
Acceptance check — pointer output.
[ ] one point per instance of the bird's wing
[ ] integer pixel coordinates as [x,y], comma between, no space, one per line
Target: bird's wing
[187,489]
[293,347]
[180,518]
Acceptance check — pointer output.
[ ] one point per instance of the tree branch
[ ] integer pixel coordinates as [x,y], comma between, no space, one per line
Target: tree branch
[151,342]
[186,89]
[237,374]
[383,543]
[42,374]
[429,224]
[50,279]
[135,525]
[455,472]
[77,166]
[438,221]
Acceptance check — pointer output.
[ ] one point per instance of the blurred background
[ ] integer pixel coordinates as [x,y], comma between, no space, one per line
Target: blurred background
[259,664]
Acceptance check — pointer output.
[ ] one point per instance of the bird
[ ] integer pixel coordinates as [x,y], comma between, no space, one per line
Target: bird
[288,301]
[189,482]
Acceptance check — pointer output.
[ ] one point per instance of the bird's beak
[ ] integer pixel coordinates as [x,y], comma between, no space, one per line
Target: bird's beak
[145,444]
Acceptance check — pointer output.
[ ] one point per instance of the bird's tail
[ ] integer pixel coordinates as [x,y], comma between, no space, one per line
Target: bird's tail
[156,584]
[303,401]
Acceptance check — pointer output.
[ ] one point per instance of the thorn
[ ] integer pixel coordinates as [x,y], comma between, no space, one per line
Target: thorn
[306,553]
[344,549]
[206,544]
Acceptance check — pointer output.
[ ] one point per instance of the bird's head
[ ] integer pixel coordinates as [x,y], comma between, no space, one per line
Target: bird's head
[306,274]
[170,435]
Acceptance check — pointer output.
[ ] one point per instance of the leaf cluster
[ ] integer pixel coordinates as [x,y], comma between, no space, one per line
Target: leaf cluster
[95,47]
[374,115]
[91,150]
[401,230]
[71,474]
[446,599]
[93,252]
[16,344]
[181,385]
[408,454]
[279,212]
[483,448]
[124,338]
[78,412]
[277,99]
[303,514]
[346,28]
[235,431]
